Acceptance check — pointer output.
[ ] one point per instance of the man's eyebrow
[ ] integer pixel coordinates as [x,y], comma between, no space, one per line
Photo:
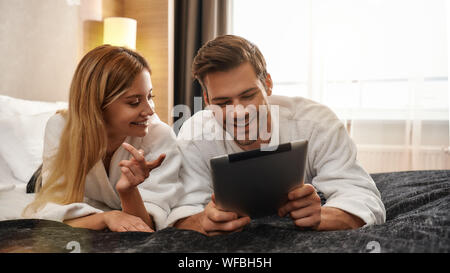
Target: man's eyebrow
[247,91]
[240,94]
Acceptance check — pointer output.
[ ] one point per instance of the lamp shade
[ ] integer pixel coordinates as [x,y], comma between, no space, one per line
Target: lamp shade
[120,31]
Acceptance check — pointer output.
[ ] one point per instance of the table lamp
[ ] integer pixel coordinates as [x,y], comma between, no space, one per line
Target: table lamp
[120,31]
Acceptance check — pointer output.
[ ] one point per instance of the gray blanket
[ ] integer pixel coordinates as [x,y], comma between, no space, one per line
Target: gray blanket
[418,220]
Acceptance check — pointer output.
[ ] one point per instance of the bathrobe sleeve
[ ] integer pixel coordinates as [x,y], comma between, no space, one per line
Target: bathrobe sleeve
[162,189]
[196,179]
[195,175]
[337,173]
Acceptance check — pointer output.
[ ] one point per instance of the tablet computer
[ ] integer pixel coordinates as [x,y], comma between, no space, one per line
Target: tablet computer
[256,183]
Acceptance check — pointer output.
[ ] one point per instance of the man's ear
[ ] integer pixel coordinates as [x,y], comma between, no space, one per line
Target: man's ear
[205,97]
[269,84]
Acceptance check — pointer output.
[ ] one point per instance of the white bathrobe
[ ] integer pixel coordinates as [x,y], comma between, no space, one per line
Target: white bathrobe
[159,191]
[331,164]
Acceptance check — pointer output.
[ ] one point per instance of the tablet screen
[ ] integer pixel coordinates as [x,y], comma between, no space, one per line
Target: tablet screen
[256,183]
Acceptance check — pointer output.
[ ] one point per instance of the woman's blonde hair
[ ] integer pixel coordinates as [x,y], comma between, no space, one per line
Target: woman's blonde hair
[101,77]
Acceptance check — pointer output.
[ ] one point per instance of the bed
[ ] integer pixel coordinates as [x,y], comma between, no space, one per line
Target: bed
[417,206]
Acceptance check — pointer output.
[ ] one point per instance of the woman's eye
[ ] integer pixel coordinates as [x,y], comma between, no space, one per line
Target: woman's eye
[135,103]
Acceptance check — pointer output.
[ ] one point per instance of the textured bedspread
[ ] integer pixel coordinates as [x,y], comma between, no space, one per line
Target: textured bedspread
[418,220]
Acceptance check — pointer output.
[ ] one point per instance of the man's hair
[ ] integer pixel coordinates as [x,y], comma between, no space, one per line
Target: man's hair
[227,52]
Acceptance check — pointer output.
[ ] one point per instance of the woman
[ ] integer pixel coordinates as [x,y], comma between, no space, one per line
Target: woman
[104,146]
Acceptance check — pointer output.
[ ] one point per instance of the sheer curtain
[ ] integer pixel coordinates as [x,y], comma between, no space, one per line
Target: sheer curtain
[381,65]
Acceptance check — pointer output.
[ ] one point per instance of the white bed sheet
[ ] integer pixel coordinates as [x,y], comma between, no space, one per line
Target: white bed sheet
[13,196]
[13,200]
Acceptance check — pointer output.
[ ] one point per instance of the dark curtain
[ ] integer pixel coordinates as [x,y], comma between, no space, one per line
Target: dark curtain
[196,22]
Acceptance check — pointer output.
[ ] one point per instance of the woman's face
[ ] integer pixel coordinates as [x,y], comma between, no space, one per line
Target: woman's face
[128,115]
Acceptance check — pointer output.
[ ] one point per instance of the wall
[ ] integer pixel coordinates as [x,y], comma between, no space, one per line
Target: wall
[39,48]
[154,41]
[43,41]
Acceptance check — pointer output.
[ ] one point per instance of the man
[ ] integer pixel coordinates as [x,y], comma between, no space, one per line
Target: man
[233,76]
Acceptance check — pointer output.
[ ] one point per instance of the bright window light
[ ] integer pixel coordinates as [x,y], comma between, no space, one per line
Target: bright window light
[370,56]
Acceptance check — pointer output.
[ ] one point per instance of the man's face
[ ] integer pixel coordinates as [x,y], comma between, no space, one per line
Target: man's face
[239,94]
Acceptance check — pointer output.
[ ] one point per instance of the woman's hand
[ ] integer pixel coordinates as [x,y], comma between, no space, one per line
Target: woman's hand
[119,221]
[135,170]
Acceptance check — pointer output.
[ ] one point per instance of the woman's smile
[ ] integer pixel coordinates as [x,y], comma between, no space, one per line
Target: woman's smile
[140,123]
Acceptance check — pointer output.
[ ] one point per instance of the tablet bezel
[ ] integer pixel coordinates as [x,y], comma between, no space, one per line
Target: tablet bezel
[235,190]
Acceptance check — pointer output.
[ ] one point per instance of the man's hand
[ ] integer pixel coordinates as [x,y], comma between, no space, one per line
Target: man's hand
[303,206]
[215,221]
[337,219]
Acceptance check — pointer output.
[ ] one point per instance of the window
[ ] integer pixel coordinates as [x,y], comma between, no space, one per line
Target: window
[379,64]
[363,55]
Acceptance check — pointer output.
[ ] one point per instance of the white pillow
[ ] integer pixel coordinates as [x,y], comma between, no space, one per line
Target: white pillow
[22,127]
[7,187]
[12,106]
[6,176]
[22,142]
